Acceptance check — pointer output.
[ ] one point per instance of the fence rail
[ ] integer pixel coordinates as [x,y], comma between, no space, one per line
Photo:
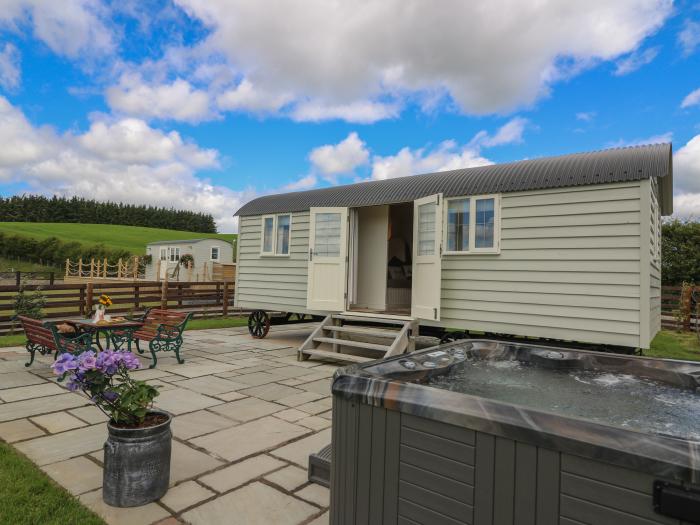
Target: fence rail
[18,276]
[677,311]
[65,301]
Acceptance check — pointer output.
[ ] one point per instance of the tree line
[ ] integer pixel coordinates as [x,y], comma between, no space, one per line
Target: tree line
[680,252]
[37,208]
[54,252]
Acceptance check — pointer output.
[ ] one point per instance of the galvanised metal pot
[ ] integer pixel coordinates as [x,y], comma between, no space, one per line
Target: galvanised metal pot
[137,464]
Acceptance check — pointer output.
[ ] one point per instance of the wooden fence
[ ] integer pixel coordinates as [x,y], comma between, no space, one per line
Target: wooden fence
[678,312]
[18,276]
[66,301]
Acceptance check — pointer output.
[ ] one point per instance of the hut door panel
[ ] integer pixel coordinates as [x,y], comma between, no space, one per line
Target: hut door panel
[328,250]
[427,251]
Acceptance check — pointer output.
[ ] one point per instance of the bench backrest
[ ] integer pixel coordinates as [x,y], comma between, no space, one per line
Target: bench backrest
[36,332]
[156,316]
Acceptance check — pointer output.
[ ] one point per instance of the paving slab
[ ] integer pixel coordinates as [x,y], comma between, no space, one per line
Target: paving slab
[211,385]
[271,391]
[145,515]
[230,396]
[257,378]
[78,475]
[198,423]
[316,407]
[289,478]
[247,409]
[298,452]
[299,399]
[28,392]
[322,386]
[66,445]
[185,495]
[18,430]
[198,369]
[254,504]
[241,473]
[250,438]
[315,493]
[34,407]
[314,422]
[90,414]
[58,422]
[323,519]
[291,415]
[179,401]
[187,462]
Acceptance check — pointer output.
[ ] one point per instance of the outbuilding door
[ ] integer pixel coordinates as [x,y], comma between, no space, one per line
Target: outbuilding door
[427,255]
[328,250]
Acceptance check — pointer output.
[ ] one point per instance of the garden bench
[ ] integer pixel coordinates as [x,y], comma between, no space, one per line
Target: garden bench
[163,330]
[45,338]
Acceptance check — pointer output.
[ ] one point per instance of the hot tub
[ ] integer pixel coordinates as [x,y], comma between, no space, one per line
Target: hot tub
[489,432]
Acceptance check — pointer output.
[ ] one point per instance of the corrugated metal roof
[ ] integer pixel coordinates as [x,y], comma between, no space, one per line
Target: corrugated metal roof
[578,169]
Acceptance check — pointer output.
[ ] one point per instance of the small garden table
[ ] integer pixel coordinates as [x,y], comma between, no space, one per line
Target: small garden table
[125,331]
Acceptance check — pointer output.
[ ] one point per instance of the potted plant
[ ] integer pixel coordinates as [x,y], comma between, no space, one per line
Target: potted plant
[137,450]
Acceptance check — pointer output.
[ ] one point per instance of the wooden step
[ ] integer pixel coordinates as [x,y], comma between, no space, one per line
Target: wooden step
[336,356]
[362,330]
[370,319]
[354,344]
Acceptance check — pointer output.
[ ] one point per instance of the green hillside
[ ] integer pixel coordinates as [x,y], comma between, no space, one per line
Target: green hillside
[131,238]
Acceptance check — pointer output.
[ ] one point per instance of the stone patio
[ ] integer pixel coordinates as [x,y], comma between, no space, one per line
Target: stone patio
[247,415]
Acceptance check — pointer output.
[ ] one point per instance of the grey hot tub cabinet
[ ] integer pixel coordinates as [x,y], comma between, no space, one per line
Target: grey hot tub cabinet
[406,453]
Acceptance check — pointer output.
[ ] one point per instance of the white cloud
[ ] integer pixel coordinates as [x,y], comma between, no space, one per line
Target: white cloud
[692,99]
[10,73]
[359,112]
[341,158]
[586,116]
[247,98]
[177,100]
[73,28]
[636,60]
[689,37]
[510,133]
[686,167]
[653,139]
[447,156]
[686,205]
[336,56]
[119,160]
[304,183]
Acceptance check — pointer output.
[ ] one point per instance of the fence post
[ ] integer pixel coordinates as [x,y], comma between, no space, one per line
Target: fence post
[136,297]
[136,267]
[119,268]
[164,293]
[179,295]
[92,267]
[80,267]
[88,298]
[81,305]
[224,310]
[104,268]
[18,277]
[67,268]
[51,278]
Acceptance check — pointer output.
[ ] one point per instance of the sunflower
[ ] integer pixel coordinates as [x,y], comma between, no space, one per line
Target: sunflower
[105,300]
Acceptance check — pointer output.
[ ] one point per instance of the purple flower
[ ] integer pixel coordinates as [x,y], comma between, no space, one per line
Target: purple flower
[73,383]
[109,395]
[129,360]
[87,361]
[107,362]
[64,363]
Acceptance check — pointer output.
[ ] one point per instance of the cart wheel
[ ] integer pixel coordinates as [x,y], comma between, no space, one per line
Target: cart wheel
[258,324]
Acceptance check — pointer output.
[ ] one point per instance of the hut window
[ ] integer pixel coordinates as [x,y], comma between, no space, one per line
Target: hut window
[485,219]
[214,253]
[458,225]
[327,235]
[174,254]
[267,239]
[283,223]
[426,229]
[276,234]
[472,225]
[163,254]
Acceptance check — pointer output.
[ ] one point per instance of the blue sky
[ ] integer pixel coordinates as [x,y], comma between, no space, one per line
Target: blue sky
[204,105]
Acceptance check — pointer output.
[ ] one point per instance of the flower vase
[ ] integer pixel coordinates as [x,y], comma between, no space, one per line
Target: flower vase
[99,313]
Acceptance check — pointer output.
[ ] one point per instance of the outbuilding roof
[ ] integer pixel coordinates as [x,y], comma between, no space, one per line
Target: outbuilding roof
[579,169]
[183,241]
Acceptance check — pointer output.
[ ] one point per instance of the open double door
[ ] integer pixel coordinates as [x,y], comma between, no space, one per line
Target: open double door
[328,259]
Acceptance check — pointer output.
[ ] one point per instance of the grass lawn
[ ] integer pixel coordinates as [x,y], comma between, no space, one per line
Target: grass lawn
[675,345]
[28,496]
[195,324]
[132,238]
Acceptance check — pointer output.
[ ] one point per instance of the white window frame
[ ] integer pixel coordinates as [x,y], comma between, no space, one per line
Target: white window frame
[496,248]
[274,218]
[173,250]
[218,253]
[163,253]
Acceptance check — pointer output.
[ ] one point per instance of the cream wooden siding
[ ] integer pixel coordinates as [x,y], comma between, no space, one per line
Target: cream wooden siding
[654,263]
[569,268]
[272,283]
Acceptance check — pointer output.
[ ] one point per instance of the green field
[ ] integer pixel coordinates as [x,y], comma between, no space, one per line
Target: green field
[7,265]
[132,238]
